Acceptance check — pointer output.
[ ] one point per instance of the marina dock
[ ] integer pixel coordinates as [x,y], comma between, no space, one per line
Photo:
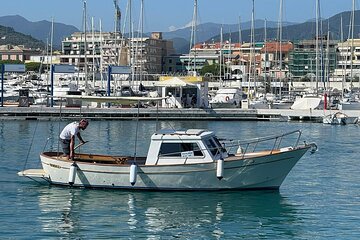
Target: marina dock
[48,113]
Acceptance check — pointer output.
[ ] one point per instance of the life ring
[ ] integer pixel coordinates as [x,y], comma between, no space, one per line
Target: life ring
[227,98]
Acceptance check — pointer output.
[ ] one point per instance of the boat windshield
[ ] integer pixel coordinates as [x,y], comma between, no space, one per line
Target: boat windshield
[211,145]
[222,149]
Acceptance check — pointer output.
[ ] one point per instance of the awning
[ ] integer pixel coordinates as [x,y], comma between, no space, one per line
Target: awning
[173,82]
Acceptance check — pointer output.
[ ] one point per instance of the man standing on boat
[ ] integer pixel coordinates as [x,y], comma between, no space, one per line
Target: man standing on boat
[67,137]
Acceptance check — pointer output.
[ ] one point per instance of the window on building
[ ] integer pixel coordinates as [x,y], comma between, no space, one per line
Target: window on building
[180,150]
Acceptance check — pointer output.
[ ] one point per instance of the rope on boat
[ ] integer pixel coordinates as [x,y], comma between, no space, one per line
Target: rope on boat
[37,181]
[32,140]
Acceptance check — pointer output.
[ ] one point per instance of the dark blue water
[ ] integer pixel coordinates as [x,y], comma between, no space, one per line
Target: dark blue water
[320,199]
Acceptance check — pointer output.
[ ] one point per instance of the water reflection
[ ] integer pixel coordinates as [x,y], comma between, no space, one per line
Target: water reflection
[57,211]
[2,137]
[132,213]
[153,215]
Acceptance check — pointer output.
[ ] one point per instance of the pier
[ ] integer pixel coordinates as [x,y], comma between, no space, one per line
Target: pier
[52,113]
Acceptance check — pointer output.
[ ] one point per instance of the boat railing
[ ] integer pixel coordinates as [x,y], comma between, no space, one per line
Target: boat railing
[270,143]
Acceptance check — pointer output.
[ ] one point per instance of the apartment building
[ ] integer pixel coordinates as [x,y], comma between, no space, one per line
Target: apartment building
[17,53]
[235,58]
[275,59]
[307,61]
[348,62]
[99,50]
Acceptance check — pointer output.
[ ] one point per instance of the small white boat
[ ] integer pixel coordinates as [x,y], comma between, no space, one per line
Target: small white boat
[307,102]
[193,159]
[339,118]
[260,103]
[227,98]
[349,104]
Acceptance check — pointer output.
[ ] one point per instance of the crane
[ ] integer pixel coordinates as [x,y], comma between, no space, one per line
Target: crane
[117,16]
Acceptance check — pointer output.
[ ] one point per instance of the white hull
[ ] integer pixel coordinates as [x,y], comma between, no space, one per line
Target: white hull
[281,105]
[349,106]
[262,172]
[339,119]
[224,105]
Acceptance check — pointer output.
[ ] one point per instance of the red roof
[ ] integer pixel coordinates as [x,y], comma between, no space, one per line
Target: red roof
[275,47]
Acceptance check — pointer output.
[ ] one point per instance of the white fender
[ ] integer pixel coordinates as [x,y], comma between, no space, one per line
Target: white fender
[240,150]
[133,174]
[220,168]
[72,173]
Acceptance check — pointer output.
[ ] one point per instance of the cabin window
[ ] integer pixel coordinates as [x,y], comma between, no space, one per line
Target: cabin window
[212,146]
[180,150]
[219,144]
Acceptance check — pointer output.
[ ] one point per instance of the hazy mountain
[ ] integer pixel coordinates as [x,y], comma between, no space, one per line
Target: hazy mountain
[40,30]
[9,36]
[306,30]
[208,30]
[181,37]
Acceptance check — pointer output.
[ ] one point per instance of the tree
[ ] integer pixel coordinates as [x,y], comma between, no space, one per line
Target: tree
[32,66]
[11,62]
[213,69]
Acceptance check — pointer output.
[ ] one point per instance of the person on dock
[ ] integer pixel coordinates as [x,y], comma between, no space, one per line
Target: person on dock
[67,137]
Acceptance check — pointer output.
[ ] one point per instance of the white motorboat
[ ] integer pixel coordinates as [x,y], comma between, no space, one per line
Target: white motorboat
[180,160]
[227,98]
[307,102]
[260,103]
[339,118]
[349,104]
[284,103]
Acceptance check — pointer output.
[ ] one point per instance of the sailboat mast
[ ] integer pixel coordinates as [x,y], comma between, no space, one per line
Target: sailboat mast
[328,58]
[240,42]
[101,56]
[343,65]
[317,49]
[85,49]
[253,58]
[280,46]
[228,69]
[141,37]
[51,46]
[322,61]
[193,37]
[266,58]
[93,50]
[221,55]
[195,29]
[352,42]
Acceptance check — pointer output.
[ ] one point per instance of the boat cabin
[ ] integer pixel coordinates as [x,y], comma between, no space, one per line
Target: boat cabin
[171,147]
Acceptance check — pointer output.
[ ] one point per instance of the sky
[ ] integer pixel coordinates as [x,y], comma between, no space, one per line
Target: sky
[166,15]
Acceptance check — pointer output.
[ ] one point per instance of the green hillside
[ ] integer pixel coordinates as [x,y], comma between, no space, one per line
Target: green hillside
[9,36]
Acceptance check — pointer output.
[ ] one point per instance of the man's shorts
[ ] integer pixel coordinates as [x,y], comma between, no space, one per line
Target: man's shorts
[65,144]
